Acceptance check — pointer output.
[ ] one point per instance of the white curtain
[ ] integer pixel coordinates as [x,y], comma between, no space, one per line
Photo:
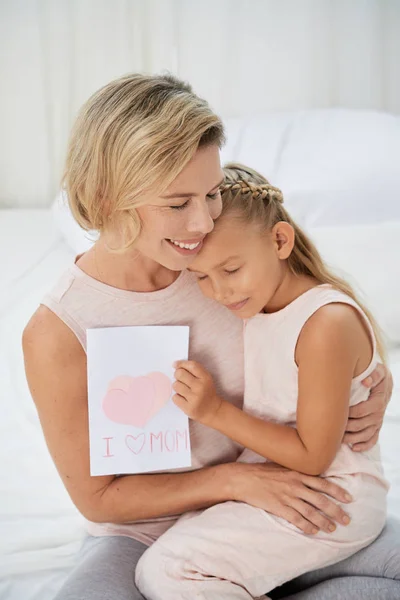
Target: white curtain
[244,56]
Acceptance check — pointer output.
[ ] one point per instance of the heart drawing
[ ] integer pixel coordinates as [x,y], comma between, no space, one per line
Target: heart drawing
[135,443]
[136,400]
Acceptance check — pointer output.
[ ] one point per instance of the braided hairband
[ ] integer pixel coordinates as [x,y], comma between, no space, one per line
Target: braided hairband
[258,192]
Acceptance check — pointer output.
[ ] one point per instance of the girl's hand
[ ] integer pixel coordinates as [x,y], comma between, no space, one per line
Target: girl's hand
[195,392]
[366,418]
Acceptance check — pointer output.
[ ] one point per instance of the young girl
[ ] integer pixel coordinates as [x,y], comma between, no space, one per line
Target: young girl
[308,346]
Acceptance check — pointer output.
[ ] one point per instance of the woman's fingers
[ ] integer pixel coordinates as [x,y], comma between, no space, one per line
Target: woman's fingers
[331,512]
[354,425]
[361,437]
[295,517]
[324,486]
[377,375]
[368,407]
[364,446]
[313,516]
[305,501]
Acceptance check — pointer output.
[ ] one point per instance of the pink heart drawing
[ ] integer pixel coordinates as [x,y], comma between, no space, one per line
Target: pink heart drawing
[135,443]
[136,400]
[163,390]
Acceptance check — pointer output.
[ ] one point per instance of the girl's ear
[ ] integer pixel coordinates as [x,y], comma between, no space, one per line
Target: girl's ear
[283,238]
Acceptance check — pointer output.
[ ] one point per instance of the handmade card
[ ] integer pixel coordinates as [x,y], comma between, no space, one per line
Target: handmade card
[134,426]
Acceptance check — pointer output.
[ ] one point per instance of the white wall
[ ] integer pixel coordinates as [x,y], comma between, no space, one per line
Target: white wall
[244,56]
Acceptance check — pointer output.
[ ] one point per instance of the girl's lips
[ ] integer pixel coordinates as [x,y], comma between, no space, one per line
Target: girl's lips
[237,305]
[187,251]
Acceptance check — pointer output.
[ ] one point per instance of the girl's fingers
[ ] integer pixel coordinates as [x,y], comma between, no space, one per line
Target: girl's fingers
[184,376]
[179,401]
[181,389]
[191,366]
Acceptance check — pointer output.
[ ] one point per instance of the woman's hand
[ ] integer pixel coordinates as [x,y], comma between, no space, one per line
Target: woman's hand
[195,392]
[366,418]
[308,502]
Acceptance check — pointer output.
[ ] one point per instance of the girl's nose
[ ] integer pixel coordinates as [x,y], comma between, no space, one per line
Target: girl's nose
[222,294]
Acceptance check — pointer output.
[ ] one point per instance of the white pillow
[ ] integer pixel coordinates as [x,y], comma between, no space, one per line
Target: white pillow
[368,256]
[334,166]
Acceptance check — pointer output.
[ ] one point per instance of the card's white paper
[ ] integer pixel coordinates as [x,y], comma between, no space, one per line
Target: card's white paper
[134,426]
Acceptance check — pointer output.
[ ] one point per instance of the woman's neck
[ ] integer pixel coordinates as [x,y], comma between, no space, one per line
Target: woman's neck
[129,270]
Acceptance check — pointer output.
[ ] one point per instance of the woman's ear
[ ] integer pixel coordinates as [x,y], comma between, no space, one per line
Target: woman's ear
[283,238]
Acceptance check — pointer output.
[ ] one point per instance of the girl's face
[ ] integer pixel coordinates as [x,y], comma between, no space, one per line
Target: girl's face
[175,224]
[242,267]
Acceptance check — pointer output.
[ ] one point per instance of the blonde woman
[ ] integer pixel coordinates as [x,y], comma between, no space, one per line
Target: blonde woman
[308,343]
[143,169]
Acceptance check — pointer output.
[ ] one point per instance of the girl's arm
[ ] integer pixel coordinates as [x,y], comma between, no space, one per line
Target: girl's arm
[333,346]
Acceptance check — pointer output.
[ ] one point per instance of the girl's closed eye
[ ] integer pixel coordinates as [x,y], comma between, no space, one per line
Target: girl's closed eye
[214,196]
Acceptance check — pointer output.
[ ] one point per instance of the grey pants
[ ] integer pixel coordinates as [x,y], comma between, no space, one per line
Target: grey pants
[106,571]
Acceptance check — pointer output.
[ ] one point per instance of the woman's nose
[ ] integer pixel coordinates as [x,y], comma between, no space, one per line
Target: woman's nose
[201,220]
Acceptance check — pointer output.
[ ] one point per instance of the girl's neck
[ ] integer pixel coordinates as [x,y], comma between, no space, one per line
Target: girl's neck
[128,270]
[290,288]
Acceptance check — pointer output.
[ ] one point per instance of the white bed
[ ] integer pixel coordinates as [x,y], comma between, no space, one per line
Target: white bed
[40,530]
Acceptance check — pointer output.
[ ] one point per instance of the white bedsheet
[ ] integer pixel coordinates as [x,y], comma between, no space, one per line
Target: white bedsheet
[40,529]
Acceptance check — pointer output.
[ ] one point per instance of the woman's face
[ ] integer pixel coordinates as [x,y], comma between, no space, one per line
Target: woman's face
[242,267]
[175,224]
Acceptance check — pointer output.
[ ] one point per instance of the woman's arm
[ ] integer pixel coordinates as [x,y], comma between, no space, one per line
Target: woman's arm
[56,371]
[327,354]
[55,365]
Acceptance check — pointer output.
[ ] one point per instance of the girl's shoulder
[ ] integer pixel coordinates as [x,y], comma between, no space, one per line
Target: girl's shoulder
[339,331]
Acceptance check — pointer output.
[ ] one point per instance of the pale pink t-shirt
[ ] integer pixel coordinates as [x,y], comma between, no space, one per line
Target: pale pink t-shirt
[216,341]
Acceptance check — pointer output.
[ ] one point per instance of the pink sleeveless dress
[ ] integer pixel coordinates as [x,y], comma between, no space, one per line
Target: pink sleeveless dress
[236,551]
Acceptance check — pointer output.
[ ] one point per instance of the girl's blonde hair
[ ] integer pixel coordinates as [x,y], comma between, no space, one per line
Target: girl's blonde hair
[136,133]
[249,195]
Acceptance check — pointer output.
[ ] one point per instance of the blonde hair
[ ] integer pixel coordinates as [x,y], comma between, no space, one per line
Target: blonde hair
[249,195]
[134,134]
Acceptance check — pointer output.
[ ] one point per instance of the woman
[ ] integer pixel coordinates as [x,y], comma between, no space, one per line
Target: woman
[143,169]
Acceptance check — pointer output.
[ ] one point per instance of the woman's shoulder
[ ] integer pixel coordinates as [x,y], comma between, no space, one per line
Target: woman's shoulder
[47,335]
[52,353]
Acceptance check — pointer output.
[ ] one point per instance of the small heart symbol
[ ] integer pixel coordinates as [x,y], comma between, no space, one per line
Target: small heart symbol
[135,443]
